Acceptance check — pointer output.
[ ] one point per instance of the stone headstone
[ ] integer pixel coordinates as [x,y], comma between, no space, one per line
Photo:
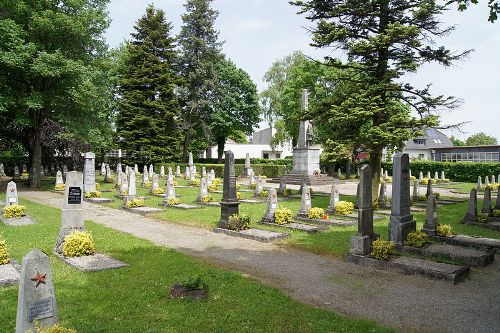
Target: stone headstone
[259,187]
[442,175]
[203,189]
[25,168]
[250,179]
[339,173]
[103,169]
[145,176]
[282,186]
[416,189]
[162,171]
[123,184]
[420,176]
[302,184]
[132,187]
[409,173]
[248,167]
[212,173]
[136,168]
[479,184]
[486,181]
[229,204]
[170,193]
[16,171]
[361,242]
[203,172]
[107,176]
[187,174]
[59,178]
[11,194]
[382,197]
[194,171]
[190,159]
[431,220]
[118,168]
[177,171]
[428,175]
[472,208]
[386,175]
[486,201]
[401,221]
[305,202]
[155,182]
[497,203]
[36,298]
[192,174]
[42,171]
[72,210]
[2,170]
[493,180]
[430,190]
[272,205]
[334,198]
[151,170]
[169,174]
[119,178]
[357,202]
[89,172]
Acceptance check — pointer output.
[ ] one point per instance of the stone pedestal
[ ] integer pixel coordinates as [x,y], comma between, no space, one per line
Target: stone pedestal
[306,160]
[361,245]
[400,227]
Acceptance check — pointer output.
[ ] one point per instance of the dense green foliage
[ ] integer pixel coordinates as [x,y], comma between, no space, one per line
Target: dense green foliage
[456,141]
[481,139]
[52,67]
[148,112]
[383,41]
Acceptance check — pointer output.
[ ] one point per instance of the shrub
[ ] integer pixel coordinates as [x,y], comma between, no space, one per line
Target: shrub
[446,180]
[147,184]
[492,186]
[495,212]
[287,192]
[14,211]
[264,194]
[238,187]
[207,198]
[195,182]
[482,217]
[239,195]
[59,187]
[108,180]
[124,192]
[4,253]
[217,181]
[95,194]
[238,222]
[133,203]
[425,181]
[444,230]
[422,197]
[176,183]
[172,201]
[381,249]
[413,178]
[342,177]
[282,216]
[416,239]
[344,207]
[186,177]
[192,282]
[78,243]
[212,188]
[316,213]
[158,190]
[97,186]
[52,329]
[253,186]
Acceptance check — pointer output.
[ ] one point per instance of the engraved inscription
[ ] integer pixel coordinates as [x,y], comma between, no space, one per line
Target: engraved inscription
[75,196]
[41,309]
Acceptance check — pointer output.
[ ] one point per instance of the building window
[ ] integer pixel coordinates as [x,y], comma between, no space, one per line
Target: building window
[469,157]
[421,156]
[278,155]
[265,156]
[419,141]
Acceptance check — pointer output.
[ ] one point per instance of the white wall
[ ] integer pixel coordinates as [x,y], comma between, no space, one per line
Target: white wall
[256,151]
[415,152]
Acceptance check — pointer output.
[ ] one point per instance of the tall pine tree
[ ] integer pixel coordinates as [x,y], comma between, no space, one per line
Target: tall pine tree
[200,50]
[148,115]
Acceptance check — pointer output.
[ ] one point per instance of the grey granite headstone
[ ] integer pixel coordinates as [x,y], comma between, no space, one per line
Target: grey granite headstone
[72,210]
[190,159]
[401,221]
[420,175]
[145,176]
[151,170]
[36,299]
[154,183]
[382,197]
[472,208]
[89,172]
[162,171]
[229,204]
[416,189]
[305,202]
[170,193]
[486,201]
[272,205]
[203,190]
[250,179]
[123,184]
[132,187]
[431,220]
[442,175]
[282,186]
[361,242]
[479,184]
[259,187]
[430,190]
[334,199]
[2,170]
[486,181]
[11,194]
[103,169]
[59,178]
[118,168]
[178,171]
[107,176]
[16,171]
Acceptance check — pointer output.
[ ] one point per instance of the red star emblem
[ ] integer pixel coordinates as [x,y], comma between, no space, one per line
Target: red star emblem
[39,278]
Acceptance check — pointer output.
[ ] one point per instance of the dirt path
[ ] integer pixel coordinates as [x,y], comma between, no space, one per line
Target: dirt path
[404,302]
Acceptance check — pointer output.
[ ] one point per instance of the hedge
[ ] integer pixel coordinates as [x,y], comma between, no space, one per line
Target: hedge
[268,170]
[456,171]
[253,161]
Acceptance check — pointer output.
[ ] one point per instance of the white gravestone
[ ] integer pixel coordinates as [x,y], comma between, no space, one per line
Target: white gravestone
[11,194]
[132,188]
[151,170]
[203,190]
[162,171]
[59,178]
[89,172]
[103,169]
[170,190]
[305,203]
[178,171]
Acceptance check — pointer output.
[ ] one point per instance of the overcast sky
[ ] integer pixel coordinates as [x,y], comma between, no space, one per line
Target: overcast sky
[257,32]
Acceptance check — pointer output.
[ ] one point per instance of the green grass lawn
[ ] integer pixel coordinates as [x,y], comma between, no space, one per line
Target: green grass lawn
[134,299]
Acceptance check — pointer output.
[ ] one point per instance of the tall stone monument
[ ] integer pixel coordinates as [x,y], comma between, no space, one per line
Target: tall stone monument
[361,242]
[401,221]
[89,172]
[36,300]
[72,210]
[229,204]
[382,197]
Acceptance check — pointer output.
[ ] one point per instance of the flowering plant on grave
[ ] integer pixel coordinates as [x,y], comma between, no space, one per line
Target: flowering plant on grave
[282,216]
[4,253]
[195,182]
[134,203]
[344,207]
[78,243]
[446,180]
[212,188]
[238,187]
[253,186]
[264,194]
[239,195]
[495,213]
[173,201]
[95,194]
[14,211]
[444,230]
[158,190]
[482,217]
[287,192]
[207,198]
[59,187]
[25,175]
[97,186]
[217,181]
[381,249]
[412,178]
[147,184]
[52,329]
[416,239]
[238,222]
[492,186]
[316,213]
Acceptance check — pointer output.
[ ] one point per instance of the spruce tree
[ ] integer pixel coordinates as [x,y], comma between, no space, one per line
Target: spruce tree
[148,111]
[200,51]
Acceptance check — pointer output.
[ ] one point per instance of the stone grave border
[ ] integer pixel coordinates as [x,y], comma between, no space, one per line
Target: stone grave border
[273,236]
[79,263]
[10,274]
[483,261]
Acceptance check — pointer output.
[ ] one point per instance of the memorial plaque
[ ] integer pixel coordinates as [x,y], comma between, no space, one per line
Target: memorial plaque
[41,309]
[75,196]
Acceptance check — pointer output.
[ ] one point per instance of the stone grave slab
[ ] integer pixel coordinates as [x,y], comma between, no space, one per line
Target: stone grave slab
[251,201]
[245,191]
[93,263]
[478,242]
[98,200]
[486,225]
[161,195]
[259,235]
[212,204]
[142,210]
[17,221]
[415,266]
[472,257]
[9,275]
[296,226]
[181,206]
[58,192]
[329,222]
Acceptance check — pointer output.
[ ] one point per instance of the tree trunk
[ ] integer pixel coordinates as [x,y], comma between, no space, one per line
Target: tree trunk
[36,157]
[375,165]
[185,149]
[220,150]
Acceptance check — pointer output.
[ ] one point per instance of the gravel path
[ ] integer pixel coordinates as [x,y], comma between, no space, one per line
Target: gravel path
[404,302]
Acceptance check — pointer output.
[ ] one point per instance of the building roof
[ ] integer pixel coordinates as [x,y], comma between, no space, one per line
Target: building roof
[432,138]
